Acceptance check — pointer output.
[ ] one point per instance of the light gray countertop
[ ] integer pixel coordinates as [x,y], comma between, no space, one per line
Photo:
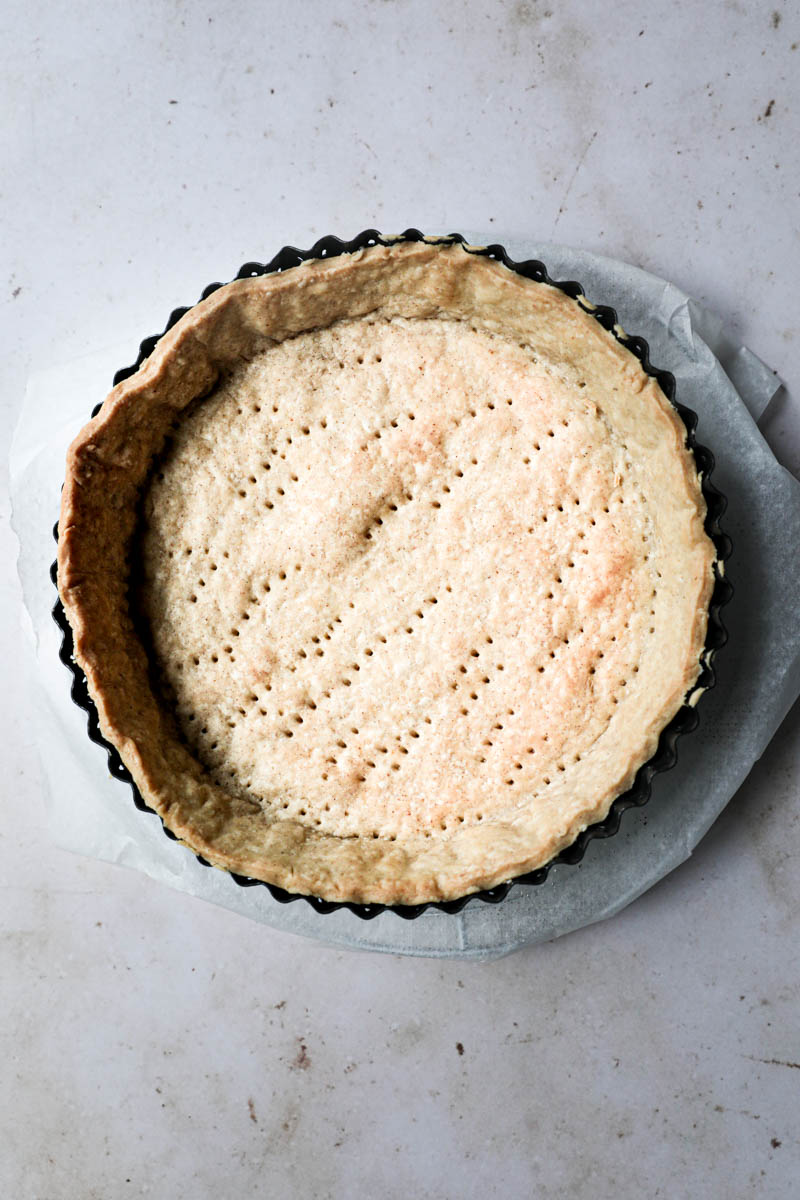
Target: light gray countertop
[154,1044]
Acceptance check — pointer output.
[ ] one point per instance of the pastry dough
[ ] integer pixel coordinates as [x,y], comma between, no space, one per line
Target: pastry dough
[386,573]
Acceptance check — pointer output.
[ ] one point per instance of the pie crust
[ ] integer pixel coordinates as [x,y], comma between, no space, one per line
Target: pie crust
[386,573]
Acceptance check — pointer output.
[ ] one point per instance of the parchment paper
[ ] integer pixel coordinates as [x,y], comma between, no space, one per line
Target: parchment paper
[759,671]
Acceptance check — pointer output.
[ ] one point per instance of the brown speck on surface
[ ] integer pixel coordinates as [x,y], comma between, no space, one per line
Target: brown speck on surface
[776,18]
[459,1048]
[16,292]
[173,101]
[775,1062]
[775,1143]
[699,203]
[301,1061]
[281,1004]
[251,1108]
[768,109]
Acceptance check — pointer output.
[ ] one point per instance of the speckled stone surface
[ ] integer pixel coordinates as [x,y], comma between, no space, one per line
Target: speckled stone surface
[152,1044]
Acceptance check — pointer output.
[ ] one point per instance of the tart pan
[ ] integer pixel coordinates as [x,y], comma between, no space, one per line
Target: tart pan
[684,721]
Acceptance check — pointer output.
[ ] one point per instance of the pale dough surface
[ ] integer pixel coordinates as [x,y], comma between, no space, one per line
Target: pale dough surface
[422,583]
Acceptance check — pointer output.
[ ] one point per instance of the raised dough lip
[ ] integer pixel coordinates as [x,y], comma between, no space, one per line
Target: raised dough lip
[686,717]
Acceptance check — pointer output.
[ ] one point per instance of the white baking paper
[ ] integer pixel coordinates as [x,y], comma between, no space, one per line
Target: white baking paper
[759,672]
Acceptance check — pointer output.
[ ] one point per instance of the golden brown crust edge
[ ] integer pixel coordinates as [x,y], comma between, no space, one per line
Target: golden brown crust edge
[106,467]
